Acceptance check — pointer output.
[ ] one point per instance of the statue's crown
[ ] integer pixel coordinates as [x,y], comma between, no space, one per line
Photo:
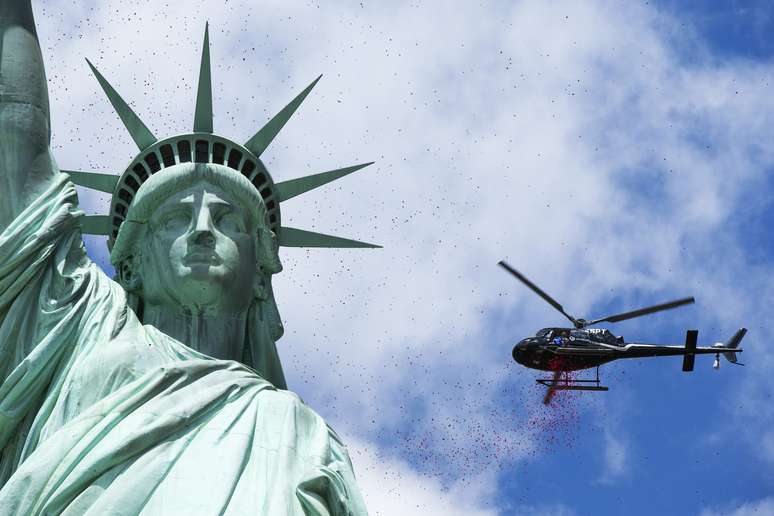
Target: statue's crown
[202,146]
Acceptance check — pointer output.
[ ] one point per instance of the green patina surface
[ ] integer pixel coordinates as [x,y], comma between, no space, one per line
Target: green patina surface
[159,392]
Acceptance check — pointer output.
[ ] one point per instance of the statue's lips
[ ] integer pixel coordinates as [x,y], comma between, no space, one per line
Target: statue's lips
[204,257]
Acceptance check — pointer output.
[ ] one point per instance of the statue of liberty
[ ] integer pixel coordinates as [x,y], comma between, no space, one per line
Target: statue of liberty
[159,391]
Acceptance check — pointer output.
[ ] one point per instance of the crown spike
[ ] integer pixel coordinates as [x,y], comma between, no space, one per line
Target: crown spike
[203,116]
[96,225]
[137,129]
[258,143]
[102,182]
[292,237]
[289,189]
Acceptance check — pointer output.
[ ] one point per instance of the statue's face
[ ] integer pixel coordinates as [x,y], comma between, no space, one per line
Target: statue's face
[200,253]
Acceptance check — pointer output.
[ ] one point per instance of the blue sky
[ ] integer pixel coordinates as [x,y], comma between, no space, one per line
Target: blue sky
[618,153]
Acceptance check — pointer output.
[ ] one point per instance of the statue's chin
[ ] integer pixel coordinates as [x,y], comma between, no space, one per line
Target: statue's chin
[208,288]
[203,272]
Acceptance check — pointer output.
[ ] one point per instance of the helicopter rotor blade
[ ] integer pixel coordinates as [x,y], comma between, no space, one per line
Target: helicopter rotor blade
[643,311]
[551,301]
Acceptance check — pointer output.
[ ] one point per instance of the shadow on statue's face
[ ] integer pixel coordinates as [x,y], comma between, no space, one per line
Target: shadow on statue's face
[200,253]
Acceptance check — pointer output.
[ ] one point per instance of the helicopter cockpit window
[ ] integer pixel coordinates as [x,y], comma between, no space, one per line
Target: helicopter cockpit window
[543,332]
[609,337]
[605,336]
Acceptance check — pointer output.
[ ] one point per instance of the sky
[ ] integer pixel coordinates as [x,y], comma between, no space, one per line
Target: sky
[617,153]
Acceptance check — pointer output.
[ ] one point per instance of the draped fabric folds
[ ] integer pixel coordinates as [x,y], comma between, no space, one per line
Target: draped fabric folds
[101,415]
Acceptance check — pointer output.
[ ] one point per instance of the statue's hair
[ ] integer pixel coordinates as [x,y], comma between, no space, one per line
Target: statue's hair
[263,319]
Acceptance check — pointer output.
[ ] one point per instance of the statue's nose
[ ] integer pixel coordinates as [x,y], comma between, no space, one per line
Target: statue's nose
[203,230]
[204,238]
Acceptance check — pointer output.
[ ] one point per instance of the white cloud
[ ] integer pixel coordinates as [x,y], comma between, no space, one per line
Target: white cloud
[616,457]
[392,486]
[544,510]
[576,139]
[763,507]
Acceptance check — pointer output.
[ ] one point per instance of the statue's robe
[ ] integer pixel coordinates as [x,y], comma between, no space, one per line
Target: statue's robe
[101,415]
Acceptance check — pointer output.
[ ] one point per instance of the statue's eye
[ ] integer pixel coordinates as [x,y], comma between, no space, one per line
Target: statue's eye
[230,221]
[178,219]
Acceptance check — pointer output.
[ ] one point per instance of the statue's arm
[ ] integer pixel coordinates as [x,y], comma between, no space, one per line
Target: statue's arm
[26,165]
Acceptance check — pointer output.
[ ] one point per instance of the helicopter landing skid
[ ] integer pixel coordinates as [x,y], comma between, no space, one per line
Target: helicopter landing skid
[565,384]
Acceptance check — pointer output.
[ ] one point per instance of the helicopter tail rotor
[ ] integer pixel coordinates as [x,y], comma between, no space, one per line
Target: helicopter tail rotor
[732,343]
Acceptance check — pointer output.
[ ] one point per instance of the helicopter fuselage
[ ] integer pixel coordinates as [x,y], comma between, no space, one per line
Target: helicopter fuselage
[540,351]
[568,349]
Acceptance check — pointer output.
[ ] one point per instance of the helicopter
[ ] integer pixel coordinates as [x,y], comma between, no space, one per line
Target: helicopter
[562,350]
